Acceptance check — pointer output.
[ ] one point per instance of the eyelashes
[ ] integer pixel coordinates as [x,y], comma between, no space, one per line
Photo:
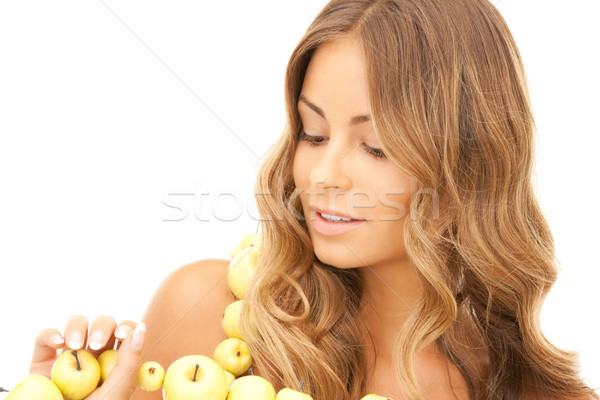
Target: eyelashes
[373,151]
[310,138]
[317,140]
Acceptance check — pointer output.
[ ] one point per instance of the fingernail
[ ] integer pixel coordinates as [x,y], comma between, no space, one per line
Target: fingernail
[56,339]
[122,332]
[75,340]
[96,340]
[138,337]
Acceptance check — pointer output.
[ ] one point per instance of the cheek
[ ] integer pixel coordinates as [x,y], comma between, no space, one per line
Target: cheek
[301,174]
[393,204]
[297,171]
[391,194]
[301,168]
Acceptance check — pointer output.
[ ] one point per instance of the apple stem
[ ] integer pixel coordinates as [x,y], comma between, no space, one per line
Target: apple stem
[301,384]
[74,352]
[195,372]
[250,370]
[2,390]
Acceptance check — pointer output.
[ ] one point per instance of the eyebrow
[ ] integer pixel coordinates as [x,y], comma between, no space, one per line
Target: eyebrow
[358,119]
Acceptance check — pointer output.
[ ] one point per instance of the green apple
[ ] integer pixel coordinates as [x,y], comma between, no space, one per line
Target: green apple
[107,361]
[241,269]
[233,355]
[76,373]
[35,387]
[247,241]
[151,376]
[251,387]
[195,377]
[291,394]
[231,319]
[375,397]
[230,378]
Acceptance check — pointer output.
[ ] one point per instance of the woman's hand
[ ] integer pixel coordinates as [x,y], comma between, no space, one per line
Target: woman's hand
[103,334]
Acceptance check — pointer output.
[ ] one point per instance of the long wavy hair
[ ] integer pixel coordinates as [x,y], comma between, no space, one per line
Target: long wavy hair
[450,102]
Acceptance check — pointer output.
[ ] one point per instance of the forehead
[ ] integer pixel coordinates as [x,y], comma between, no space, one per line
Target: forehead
[339,58]
[336,78]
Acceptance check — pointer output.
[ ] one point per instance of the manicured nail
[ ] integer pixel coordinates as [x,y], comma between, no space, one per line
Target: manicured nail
[96,340]
[56,339]
[138,337]
[75,340]
[122,332]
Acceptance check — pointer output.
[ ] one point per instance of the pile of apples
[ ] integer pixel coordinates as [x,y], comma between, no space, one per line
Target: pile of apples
[77,373]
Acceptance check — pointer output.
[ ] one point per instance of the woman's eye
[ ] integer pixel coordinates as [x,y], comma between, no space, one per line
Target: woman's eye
[375,152]
[310,138]
[316,140]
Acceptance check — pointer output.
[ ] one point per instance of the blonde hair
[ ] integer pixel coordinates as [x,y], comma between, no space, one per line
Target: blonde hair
[450,103]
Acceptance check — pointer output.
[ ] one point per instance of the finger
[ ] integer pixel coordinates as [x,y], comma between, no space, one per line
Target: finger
[46,343]
[122,380]
[124,329]
[100,334]
[76,332]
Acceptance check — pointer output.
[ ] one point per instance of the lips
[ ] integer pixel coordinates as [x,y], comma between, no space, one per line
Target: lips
[330,214]
[330,222]
[335,218]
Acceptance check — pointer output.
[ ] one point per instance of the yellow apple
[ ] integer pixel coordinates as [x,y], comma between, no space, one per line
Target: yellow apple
[230,378]
[107,361]
[241,269]
[76,373]
[375,397]
[291,394]
[231,319]
[195,377]
[247,241]
[233,355]
[150,376]
[35,387]
[251,387]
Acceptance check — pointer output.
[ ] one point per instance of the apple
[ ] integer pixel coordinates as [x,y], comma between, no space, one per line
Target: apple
[35,387]
[231,319]
[247,241]
[241,269]
[151,376]
[195,377]
[76,373]
[251,387]
[375,397]
[233,355]
[291,394]
[107,361]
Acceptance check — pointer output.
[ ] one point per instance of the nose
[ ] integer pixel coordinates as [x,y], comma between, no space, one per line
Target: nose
[331,170]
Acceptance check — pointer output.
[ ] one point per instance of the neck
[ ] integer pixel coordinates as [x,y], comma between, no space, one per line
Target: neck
[391,294]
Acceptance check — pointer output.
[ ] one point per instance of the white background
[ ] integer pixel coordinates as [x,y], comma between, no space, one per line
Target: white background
[108,107]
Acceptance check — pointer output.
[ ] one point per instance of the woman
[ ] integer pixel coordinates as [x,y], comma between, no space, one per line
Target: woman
[404,252]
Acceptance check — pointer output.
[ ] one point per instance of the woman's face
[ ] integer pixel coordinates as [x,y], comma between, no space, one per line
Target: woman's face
[339,169]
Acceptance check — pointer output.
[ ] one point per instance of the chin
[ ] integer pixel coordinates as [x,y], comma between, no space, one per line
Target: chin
[338,255]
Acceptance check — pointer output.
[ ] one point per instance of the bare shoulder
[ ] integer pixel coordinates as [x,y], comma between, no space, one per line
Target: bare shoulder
[196,279]
[185,313]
